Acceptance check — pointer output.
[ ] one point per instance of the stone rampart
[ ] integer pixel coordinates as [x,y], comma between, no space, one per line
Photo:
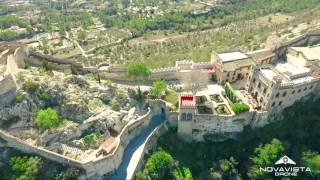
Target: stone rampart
[96,167]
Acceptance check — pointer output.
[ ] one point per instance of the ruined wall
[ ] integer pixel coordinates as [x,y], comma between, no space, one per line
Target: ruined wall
[7,90]
[20,56]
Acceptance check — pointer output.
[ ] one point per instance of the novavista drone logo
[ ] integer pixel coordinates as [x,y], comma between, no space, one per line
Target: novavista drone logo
[288,168]
[285,160]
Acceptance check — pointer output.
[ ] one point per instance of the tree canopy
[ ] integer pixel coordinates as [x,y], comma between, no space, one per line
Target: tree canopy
[158,87]
[25,168]
[263,156]
[138,70]
[47,118]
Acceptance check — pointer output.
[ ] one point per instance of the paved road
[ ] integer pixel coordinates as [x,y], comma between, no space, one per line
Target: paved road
[134,151]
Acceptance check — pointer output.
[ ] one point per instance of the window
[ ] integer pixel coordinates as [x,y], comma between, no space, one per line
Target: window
[277,95]
[272,105]
[293,91]
[228,74]
[264,90]
[299,90]
[284,94]
[183,117]
[259,85]
[305,89]
[189,117]
[254,80]
[280,103]
[311,87]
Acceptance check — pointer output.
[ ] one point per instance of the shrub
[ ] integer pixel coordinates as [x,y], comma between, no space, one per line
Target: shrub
[159,165]
[158,87]
[45,66]
[47,118]
[44,97]
[25,167]
[115,105]
[31,86]
[240,107]
[19,98]
[88,139]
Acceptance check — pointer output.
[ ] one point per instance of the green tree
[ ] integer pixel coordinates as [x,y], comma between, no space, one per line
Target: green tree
[25,168]
[159,165]
[312,160]
[265,156]
[158,87]
[138,71]
[47,118]
[228,167]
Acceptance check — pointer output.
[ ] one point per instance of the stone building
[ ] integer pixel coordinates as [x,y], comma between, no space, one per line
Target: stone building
[271,85]
[263,56]
[231,66]
[273,88]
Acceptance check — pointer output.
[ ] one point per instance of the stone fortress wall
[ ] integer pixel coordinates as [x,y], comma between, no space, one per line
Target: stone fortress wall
[228,126]
[107,164]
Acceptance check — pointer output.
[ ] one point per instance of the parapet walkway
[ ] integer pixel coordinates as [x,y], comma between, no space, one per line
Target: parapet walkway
[134,150]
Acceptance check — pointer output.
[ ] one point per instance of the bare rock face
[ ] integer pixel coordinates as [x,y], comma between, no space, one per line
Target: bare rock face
[110,119]
[21,111]
[60,135]
[76,111]
[78,80]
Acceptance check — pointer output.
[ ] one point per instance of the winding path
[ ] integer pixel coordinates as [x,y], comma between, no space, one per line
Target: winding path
[134,150]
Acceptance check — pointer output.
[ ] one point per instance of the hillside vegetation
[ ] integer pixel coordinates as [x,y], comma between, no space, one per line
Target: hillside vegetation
[296,135]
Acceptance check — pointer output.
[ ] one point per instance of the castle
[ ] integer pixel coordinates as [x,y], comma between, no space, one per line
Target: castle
[265,85]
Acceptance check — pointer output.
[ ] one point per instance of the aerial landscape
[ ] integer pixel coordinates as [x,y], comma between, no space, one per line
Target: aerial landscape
[160,89]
